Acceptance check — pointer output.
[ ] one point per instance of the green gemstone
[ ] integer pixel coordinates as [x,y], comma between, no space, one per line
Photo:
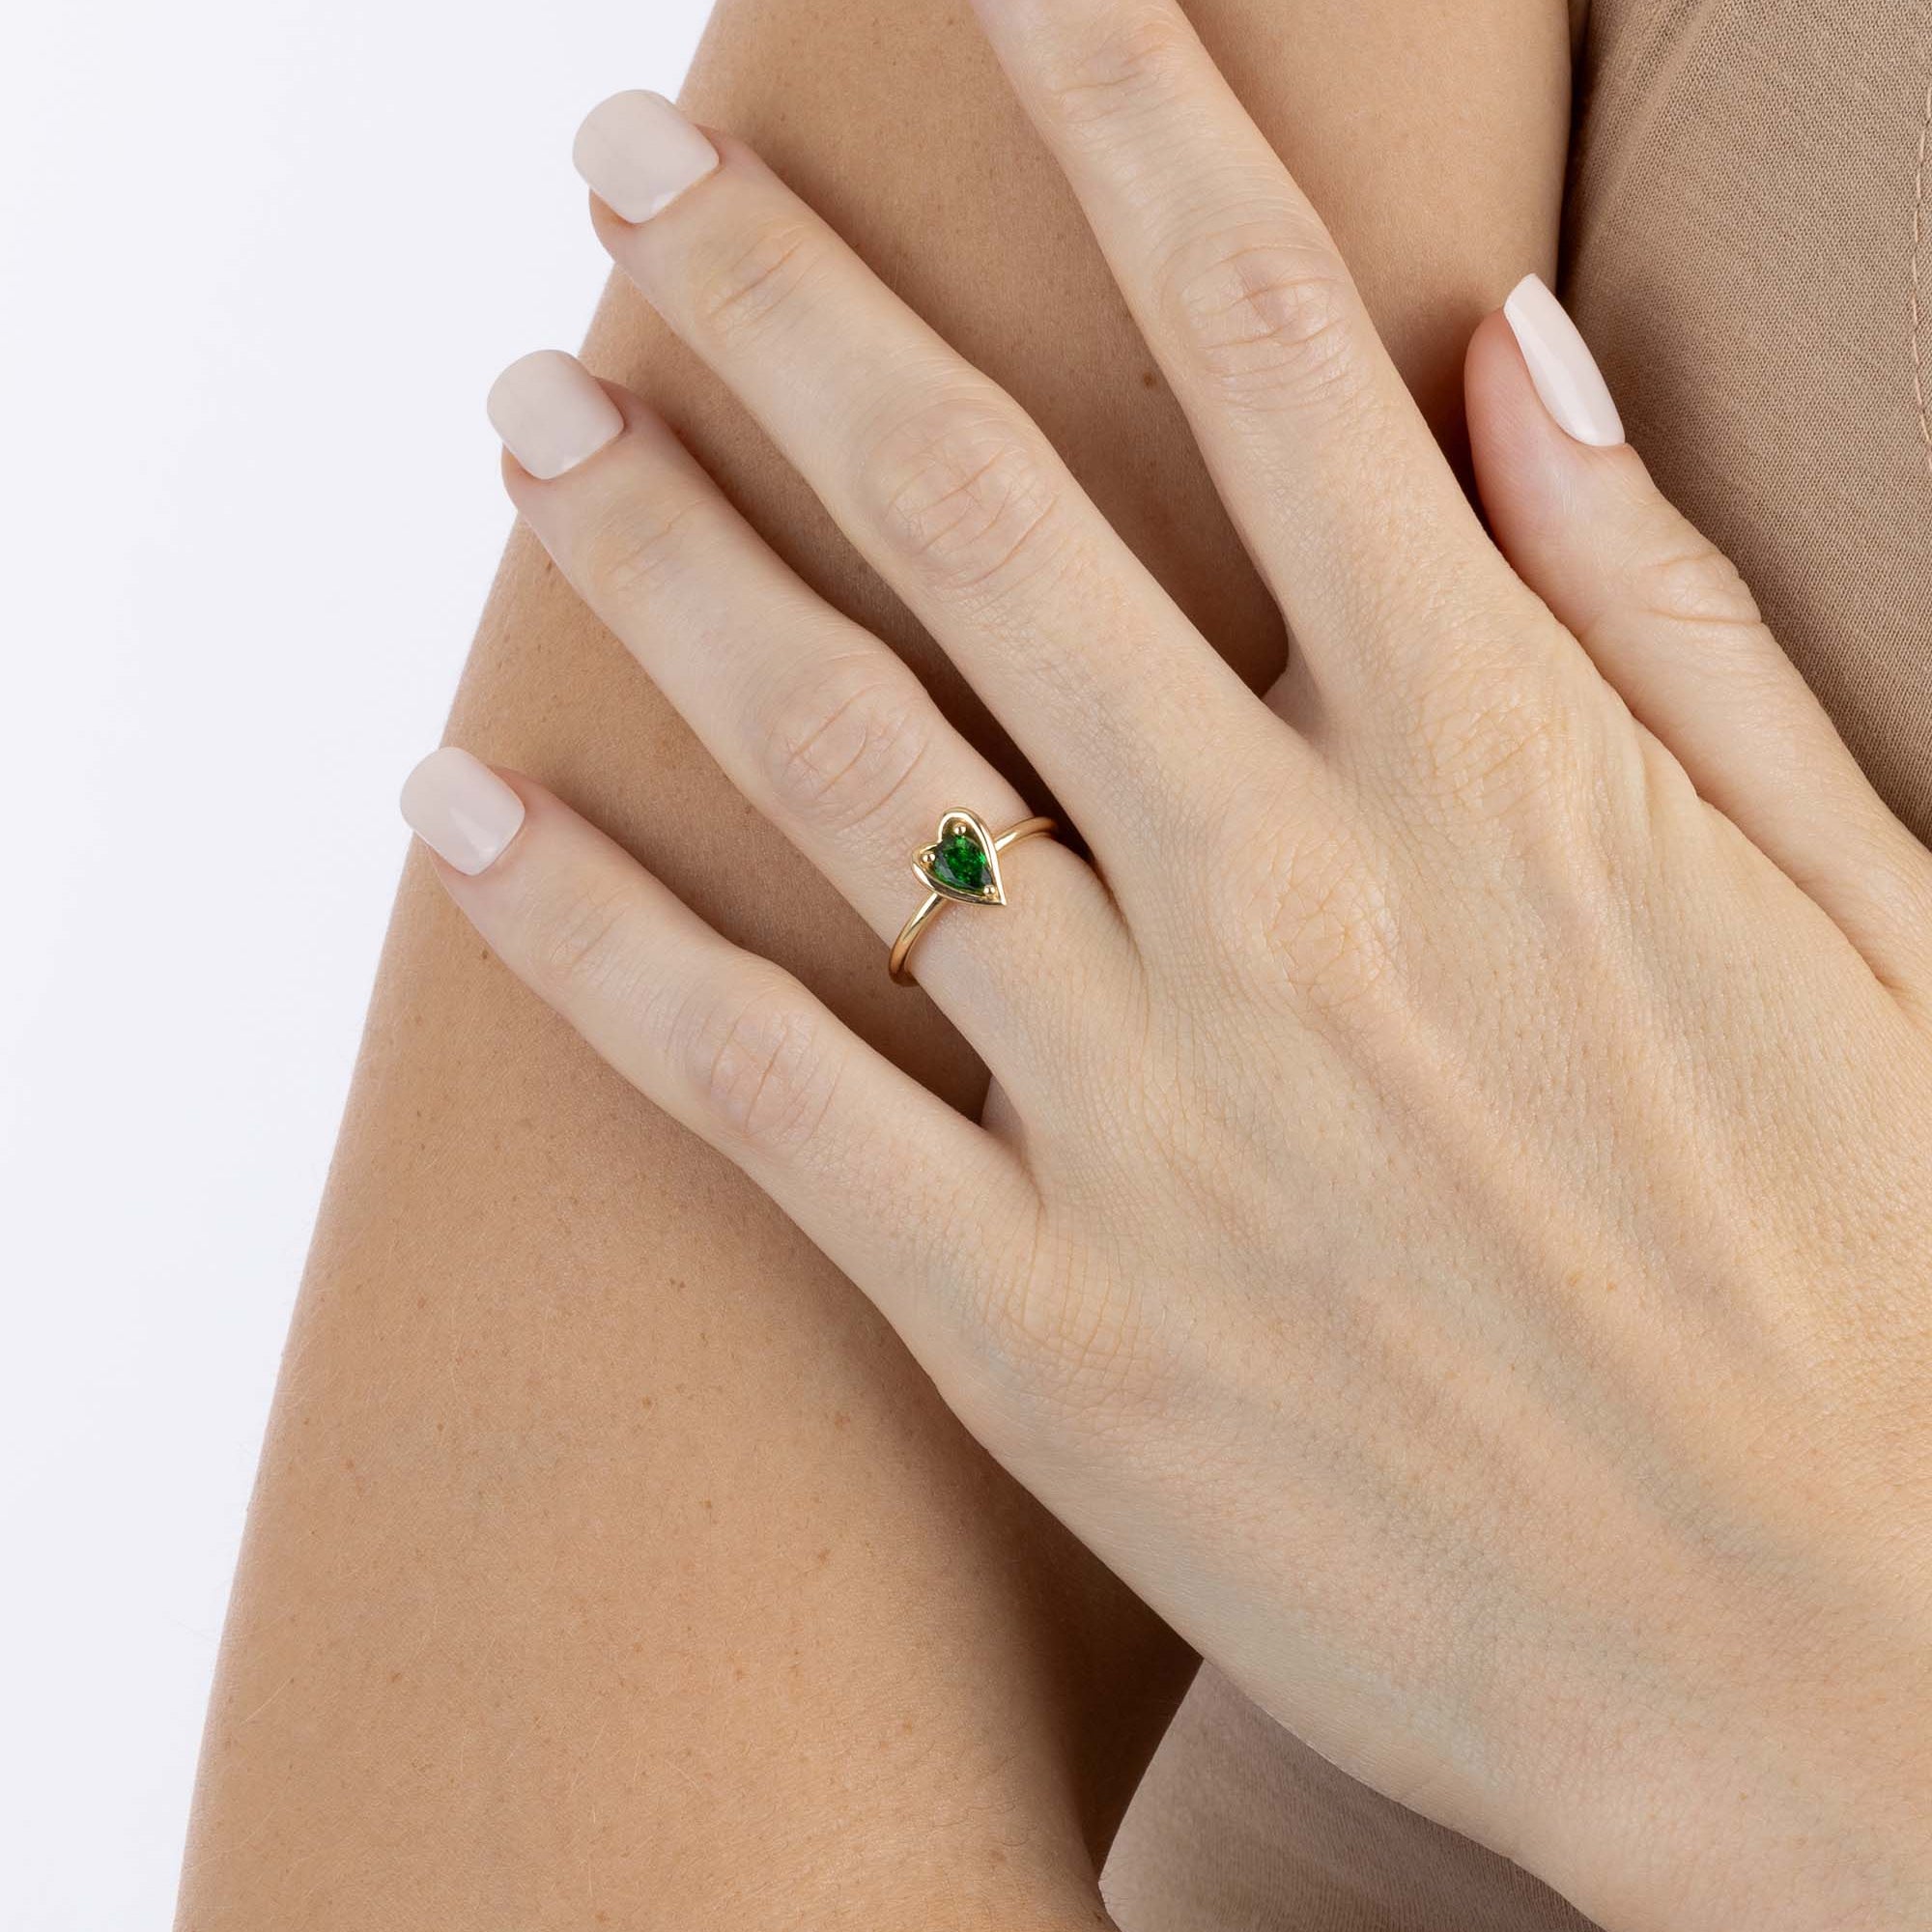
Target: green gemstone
[960,862]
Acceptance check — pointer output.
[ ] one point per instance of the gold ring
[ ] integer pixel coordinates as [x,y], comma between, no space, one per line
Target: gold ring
[962,866]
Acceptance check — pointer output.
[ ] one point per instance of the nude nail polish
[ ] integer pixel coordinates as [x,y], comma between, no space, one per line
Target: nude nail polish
[552,412]
[640,154]
[461,810]
[1561,366]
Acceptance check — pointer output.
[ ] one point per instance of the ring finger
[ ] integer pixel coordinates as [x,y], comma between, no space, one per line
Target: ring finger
[825,729]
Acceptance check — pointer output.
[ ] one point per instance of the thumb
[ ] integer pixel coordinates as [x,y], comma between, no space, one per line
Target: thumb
[1668,621]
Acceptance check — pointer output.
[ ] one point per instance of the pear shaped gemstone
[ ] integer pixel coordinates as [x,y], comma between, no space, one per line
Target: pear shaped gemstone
[959,861]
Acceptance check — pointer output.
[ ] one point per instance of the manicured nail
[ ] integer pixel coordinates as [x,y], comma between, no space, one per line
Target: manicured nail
[1561,366]
[552,412]
[640,154]
[461,810]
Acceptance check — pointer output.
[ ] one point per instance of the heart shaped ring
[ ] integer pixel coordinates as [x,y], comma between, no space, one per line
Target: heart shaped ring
[960,867]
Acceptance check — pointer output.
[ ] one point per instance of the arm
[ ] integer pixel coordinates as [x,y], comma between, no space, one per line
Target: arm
[610,1562]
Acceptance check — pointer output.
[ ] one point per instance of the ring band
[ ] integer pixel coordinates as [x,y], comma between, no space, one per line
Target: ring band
[961,864]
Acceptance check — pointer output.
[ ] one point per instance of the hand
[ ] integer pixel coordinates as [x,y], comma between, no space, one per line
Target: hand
[1453,1224]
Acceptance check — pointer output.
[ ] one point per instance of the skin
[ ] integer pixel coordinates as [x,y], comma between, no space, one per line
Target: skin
[1451,1224]
[611,1561]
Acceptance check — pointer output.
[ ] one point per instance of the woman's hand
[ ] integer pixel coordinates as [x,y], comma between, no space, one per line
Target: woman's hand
[1453,1227]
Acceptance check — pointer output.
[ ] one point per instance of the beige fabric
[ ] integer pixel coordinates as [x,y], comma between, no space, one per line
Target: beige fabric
[1240,1828]
[1748,249]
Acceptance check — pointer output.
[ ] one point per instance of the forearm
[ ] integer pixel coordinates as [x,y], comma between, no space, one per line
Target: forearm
[609,1557]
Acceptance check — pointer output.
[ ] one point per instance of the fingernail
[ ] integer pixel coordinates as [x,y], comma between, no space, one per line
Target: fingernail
[552,412]
[461,810]
[1561,366]
[640,154]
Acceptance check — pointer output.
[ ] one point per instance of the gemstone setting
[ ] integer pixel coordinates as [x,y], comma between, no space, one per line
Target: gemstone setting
[963,862]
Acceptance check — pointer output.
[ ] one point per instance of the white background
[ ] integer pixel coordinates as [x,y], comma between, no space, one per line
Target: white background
[259,260]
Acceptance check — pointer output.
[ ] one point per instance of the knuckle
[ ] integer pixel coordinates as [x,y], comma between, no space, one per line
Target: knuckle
[1490,740]
[842,746]
[575,943]
[1267,316]
[1309,906]
[964,495]
[1695,583]
[1139,57]
[742,286]
[633,549]
[1065,1340]
[756,1055]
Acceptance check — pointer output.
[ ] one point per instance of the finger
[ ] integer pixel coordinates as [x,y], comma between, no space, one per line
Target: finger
[818,722]
[1328,467]
[728,1045]
[1669,623]
[939,478]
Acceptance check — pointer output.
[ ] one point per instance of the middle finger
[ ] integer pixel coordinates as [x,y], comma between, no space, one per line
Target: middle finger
[941,480]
